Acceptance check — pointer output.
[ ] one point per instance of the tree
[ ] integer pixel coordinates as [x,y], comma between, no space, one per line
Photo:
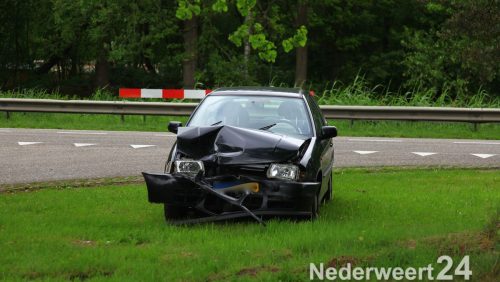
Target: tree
[23,26]
[441,46]
[460,55]
[188,12]
[190,57]
[301,51]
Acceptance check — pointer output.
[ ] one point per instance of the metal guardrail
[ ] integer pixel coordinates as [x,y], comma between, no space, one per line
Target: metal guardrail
[473,115]
[96,107]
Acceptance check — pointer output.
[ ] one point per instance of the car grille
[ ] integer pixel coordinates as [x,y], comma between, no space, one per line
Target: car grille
[248,170]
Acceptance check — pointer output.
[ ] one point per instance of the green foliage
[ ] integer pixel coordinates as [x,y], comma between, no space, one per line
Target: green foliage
[255,33]
[257,39]
[220,6]
[266,48]
[186,9]
[435,7]
[230,72]
[462,55]
[437,47]
[360,92]
[245,6]
[299,39]
[239,35]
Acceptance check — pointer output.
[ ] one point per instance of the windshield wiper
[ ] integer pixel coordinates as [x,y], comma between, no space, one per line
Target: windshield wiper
[267,126]
[216,123]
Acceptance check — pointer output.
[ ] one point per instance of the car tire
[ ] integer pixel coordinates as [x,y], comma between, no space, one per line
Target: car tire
[174,212]
[329,193]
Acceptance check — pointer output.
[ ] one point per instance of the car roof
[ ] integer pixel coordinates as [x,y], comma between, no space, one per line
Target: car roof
[259,90]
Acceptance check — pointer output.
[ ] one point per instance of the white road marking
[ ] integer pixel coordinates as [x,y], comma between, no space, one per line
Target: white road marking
[4,130]
[28,143]
[423,154]
[141,146]
[365,152]
[476,142]
[375,140]
[82,133]
[164,135]
[484,156]
[83,144]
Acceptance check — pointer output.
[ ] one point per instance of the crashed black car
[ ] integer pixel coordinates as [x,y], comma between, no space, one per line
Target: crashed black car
[247,152]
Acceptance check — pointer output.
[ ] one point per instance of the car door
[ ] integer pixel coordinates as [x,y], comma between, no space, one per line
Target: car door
[325,146]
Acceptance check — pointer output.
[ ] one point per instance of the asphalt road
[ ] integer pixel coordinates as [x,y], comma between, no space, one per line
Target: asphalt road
[34,155]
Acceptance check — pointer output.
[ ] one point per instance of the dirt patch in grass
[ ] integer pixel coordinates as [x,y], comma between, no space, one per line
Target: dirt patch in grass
[341,261]
[247,271]
[468,242]
[456,243]
[462,243]
[76,275]
[82,276]
[67,184]
[254,271]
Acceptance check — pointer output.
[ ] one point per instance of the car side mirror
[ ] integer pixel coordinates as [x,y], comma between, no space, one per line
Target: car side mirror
[173,126]
[328,132]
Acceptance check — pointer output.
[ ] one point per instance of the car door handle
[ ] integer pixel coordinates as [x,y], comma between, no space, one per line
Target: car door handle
[331,144]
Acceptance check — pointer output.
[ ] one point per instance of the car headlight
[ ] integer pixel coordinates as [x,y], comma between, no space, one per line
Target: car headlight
[283,171]
[189,167]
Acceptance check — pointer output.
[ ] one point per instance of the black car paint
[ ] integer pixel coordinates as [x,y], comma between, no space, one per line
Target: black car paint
[324,147]
[219,144]
[275,197]
[228,145]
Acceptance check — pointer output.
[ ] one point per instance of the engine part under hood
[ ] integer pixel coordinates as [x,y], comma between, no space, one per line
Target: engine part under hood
[228,145]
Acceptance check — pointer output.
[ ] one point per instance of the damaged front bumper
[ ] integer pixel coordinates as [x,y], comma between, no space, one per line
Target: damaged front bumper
[249,196]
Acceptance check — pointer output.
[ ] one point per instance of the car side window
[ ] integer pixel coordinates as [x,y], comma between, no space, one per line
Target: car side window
[316,111]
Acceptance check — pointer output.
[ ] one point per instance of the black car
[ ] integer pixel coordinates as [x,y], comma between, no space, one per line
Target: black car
[247,152]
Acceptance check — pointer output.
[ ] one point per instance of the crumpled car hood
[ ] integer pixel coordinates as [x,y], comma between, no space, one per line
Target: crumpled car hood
[228,145]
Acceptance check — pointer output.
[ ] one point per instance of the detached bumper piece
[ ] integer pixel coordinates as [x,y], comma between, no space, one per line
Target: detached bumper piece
[228,197]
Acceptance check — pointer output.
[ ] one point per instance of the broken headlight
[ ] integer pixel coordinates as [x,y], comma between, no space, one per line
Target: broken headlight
[189,167]
[283,171]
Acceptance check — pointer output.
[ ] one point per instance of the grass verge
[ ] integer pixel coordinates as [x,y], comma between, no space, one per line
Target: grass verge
[377,218]
[416,129]
[159,123]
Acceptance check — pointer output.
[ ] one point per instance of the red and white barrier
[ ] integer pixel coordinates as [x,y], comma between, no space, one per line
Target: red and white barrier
[163,93]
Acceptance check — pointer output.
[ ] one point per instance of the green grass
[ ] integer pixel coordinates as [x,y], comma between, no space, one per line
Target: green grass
[417,129]
[361,92]
[358,92]
[377,218]
[158,123]
[87,121]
